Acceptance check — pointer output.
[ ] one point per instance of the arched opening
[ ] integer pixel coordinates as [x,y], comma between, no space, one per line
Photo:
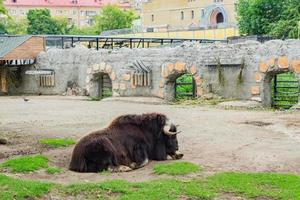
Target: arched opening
[285,90]
[185,87]
[219,18]
[102,86]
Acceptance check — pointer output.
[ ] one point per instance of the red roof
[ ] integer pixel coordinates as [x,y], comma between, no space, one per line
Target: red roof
[63,3]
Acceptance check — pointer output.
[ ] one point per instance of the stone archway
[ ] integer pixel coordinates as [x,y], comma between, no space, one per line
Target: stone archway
[170,72]
[267,69]
[96,73]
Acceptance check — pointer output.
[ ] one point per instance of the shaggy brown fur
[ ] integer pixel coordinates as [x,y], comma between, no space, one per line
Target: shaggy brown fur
[128,139]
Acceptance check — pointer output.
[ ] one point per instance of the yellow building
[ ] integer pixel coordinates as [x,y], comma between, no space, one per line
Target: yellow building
[171,15]
[78,12]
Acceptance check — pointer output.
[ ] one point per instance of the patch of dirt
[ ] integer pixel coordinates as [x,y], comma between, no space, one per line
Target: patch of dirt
[216,139]
[258,123]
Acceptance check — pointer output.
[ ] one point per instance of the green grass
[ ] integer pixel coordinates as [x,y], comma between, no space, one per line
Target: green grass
[11,188]
[249,185]
[57,142]
[176,168]
[26,164]
[53,170]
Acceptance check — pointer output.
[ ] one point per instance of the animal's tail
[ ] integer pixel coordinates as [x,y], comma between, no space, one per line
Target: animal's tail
[78,162]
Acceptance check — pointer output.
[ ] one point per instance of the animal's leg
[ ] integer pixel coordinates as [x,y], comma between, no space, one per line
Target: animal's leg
[120,168]
[140,157]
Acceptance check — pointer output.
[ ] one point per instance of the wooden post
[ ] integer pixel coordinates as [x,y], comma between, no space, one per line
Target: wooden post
[149,79]
[4,83]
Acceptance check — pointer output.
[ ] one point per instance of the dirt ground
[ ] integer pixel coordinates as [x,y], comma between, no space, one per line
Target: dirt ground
[217,139]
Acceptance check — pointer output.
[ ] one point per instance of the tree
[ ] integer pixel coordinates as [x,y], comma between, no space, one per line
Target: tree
[112,17]
[88,30]
[40,22]
[16,26]
[2,8]
[289,24]
[277,18]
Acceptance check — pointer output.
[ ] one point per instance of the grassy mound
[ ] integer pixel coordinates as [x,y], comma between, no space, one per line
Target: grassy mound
[176,168]
[57,142]
[26,164]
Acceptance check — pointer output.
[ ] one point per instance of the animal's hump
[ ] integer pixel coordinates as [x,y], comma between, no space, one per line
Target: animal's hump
[135,119]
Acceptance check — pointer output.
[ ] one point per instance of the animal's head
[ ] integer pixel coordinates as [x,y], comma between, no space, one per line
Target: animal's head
[170,139]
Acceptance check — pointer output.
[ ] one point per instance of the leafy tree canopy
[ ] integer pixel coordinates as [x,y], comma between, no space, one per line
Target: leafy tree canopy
[2,8]
[40,22]
[112,17]
[278,18]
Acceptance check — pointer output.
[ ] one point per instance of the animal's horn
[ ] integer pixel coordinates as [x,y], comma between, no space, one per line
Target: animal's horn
[168,132]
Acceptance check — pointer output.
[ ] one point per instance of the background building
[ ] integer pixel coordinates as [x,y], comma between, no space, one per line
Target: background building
[78,12]
[166,15]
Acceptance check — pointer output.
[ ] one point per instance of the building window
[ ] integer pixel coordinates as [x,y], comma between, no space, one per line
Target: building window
[182,15]
[152,18]
[13,12]
[193,14]
[59,12]
[202,12]
[91,13]
[74,12]
[82,13]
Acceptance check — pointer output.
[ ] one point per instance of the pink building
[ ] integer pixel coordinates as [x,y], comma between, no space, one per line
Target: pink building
[78,12]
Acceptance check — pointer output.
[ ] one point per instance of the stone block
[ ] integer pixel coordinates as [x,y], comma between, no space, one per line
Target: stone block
[96,67]
[115,86]
[199,91]
[102,66]
[198,80]
[283,62]
[162,84]
[165,73]
[271,62]
[263,67]
[122,86]
[108,69]
[87,80]
[180,66]
[193,70]
[160,93]
[126,77]
[258,77]
[258,99]
[296,66]
[255,90]
[170,67]
[113,76]
[89,70]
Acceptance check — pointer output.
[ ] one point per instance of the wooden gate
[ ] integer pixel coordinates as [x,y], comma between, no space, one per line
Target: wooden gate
[185,87]
[285,92]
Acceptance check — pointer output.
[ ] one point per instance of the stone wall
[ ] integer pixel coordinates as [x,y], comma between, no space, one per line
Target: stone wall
[242,71]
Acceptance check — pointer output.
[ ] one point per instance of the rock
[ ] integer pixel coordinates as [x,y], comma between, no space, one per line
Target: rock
[2,155]
[3,141]
[240,104]
[210,96]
